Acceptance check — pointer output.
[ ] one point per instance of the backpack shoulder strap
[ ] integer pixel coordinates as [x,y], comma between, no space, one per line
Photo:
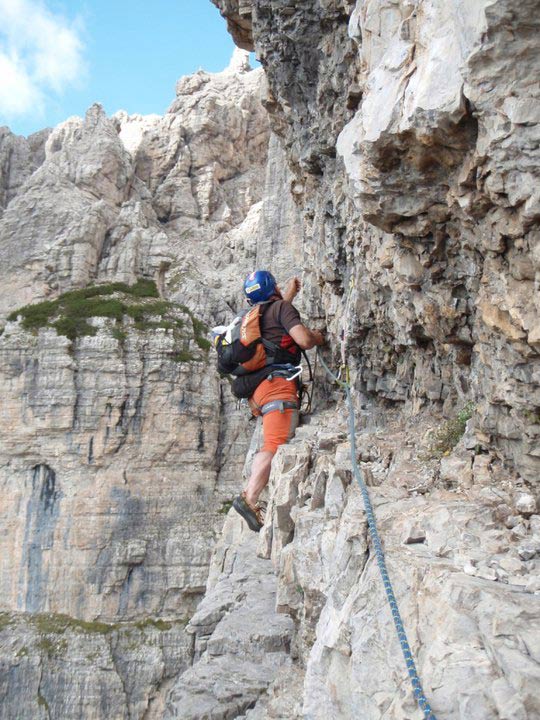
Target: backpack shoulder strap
[272,347]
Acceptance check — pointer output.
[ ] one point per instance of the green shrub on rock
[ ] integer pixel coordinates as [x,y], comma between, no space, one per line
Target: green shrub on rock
[447,435]
[69,315]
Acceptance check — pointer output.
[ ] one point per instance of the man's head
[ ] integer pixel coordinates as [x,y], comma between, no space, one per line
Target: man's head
[260,287]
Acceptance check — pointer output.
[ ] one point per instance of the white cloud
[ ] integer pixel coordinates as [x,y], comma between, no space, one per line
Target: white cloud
[17,92]
[41,52]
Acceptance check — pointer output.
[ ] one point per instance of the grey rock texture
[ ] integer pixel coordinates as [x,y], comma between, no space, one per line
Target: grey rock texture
[240,641]
[95,438]
[393,160]
[467,591]
[412,133]
[19,158]
[54,666]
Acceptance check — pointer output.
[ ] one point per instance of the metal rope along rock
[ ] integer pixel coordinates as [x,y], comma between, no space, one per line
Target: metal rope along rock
[379,553]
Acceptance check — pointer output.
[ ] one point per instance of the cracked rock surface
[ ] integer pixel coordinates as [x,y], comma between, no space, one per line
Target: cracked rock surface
[467,594]
[412,133]
[388,151]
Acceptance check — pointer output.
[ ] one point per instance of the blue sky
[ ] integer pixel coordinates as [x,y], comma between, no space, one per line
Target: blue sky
[57,57]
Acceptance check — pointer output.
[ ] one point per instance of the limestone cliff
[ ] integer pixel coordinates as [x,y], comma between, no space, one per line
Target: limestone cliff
[411,129]
[393,161]
[119,444]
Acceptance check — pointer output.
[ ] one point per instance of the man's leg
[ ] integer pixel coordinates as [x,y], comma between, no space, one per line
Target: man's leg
[278,427]
[260,474]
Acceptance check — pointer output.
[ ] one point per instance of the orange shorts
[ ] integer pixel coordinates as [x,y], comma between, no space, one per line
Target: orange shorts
[278,427]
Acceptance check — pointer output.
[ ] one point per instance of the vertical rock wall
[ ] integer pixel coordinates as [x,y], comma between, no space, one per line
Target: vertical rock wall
[412,132]
[118,450]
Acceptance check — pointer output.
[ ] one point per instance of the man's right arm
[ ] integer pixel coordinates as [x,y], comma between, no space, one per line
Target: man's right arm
[306,338]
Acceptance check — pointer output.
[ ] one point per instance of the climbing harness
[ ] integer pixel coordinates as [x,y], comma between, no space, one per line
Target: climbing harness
[343,380]
[280,405]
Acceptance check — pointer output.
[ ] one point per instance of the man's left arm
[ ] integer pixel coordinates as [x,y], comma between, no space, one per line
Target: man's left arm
[292,289]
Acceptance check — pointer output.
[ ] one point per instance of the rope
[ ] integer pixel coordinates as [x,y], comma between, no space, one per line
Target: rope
[398,622]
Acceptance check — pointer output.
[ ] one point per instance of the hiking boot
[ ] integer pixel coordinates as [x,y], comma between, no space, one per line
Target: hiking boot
[252,514]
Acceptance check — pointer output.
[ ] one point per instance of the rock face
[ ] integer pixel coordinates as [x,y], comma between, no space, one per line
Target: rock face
[241,642]
[119,448]
[466,587]
[92,441]
[55,666]
[412,134]
[403,124]
[393,160]
[19,158]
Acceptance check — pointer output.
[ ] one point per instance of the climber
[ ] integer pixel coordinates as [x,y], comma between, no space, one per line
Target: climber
[276,397]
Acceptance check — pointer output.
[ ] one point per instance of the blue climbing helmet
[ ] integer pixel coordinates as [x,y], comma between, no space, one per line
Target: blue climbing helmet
[259,286]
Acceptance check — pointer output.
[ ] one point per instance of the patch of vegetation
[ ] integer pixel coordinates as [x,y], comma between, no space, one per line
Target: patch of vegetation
[70,314]
[144,288]
[140,312]
[35,316]
[225,507]
[119,334]
[43,703]
[183,356]
[161,625]
[49,624]
[73,327]
[5,620]
[532,416]
[200,330]
[22,652]
[52,647]
[58,624]
[176,281]
[447,435]
[203,343]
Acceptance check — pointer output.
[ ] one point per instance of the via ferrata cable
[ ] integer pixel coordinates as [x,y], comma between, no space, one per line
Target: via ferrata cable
[343,380]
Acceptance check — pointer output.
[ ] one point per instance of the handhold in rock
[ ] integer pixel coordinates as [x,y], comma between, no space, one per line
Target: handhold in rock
[527,550]
[415,535]
[525,504]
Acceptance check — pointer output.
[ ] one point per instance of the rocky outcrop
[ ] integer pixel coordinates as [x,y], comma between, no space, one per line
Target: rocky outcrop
[403,124]
[461,547]
[409,132]
[19,158]
[119,443]
[241,642]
